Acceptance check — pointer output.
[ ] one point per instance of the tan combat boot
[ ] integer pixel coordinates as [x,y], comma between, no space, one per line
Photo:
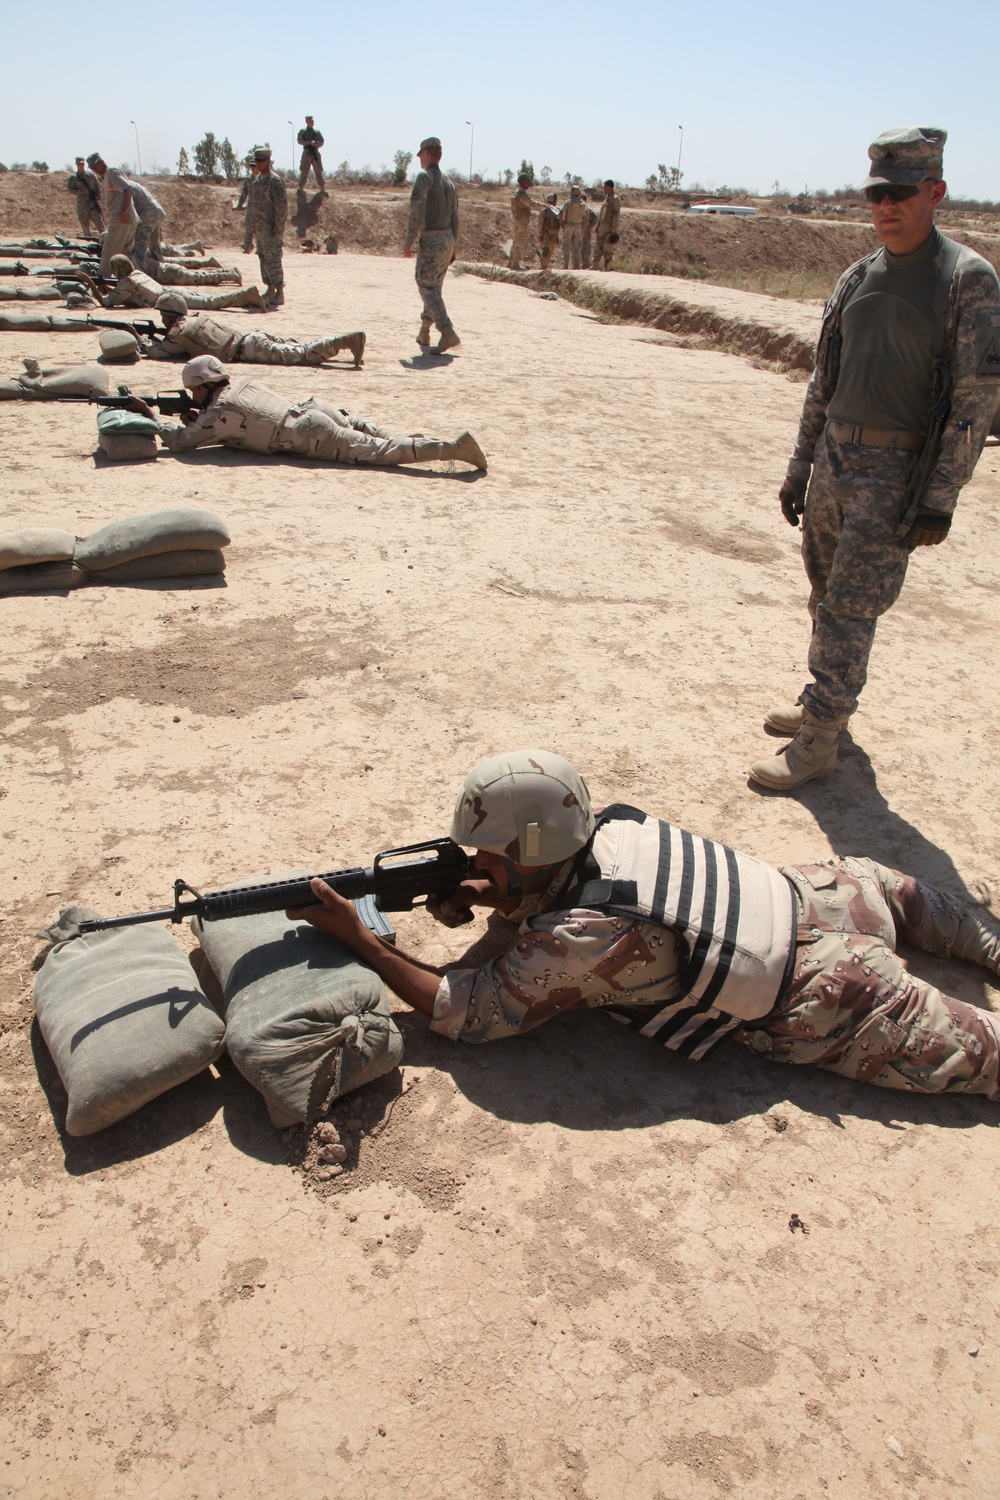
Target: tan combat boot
[785,719]
[467,449]
[449,340]
[355,344]
[250,297]
[424,334]
[811,753]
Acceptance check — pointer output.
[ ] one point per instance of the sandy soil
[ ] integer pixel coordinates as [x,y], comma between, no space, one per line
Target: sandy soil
[562,1266]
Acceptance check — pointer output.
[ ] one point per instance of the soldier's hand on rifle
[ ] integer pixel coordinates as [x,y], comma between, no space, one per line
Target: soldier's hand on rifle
[792,499]
[453,910]
[928,530]
[333,915]
[136,404]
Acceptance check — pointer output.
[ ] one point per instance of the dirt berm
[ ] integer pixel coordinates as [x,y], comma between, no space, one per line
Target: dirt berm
[373,223]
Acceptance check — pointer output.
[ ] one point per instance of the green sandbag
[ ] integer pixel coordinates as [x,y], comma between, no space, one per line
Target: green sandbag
[117,423]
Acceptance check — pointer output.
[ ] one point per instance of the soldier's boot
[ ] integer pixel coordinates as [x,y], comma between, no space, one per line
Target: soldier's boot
[449,340]
[424,333]
[466,449]
[275,298]
[812,753]
[249,297]
[786,718]
[354,343]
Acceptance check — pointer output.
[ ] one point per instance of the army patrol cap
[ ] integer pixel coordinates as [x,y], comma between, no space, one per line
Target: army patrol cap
[204,369]
[171,302]
[121,265]
[529,805]
[93,158]
[262,153]
[908,155]
[430,143]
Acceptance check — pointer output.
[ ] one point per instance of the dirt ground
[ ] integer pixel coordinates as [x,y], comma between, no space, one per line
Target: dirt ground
[562,1265]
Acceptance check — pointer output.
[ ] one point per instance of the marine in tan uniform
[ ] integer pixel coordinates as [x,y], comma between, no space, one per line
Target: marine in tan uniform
[571,217]
[689,942]
[548,230]
[894,420]
[607,232]
[87,194]
[520,211]
[433,227]
[193,333]
[589,224]
[241,413]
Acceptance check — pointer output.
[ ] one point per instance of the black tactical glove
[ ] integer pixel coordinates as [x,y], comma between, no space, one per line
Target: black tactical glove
[929,529]
[792,499]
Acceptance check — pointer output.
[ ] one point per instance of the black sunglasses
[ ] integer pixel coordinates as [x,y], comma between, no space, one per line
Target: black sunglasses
[894,193]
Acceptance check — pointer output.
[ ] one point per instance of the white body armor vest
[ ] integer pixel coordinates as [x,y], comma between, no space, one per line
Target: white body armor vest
[735,916]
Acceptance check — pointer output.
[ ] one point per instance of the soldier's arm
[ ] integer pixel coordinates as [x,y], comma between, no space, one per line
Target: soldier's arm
[280,200]
[975,392]
[454,215]
[418,204]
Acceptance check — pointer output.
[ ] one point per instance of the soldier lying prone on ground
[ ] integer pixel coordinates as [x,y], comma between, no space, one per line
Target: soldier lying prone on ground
[193,333]
[689,941]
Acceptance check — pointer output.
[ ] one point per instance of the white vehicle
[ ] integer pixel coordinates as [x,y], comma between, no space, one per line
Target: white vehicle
[741,210]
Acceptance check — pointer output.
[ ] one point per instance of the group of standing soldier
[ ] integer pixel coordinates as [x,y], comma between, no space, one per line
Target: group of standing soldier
[575,224]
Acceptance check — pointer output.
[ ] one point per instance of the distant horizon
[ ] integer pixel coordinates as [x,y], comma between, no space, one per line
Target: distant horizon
[773,95]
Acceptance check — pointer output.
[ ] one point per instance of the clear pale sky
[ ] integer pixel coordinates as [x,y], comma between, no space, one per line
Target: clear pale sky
[776,91]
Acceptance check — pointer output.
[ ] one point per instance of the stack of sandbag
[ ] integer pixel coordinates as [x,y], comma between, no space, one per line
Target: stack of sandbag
[38,323]
[124,436]
[305,1021]
[118,346]
[30,293]
[180,542]
[48,383]
[123,1016]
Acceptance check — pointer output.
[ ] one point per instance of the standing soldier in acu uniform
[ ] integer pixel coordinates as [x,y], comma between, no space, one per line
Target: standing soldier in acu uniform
[607,231]
[548,231]
[688,941]
[896,413]
[433,224]
[520,211]
[244,204]
[310,139]
[87,191]
[571,217]
[269,210]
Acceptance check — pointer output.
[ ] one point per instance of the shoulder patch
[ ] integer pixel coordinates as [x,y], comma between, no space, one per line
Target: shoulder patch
[988,344]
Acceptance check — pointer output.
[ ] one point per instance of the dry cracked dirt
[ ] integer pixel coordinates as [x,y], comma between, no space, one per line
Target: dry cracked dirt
[562,1266]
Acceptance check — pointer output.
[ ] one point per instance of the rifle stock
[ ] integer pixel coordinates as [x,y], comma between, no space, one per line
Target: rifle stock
[395,879]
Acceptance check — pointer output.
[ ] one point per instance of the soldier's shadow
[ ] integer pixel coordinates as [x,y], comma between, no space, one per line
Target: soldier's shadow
[428,362]
[307,212]
[857,819]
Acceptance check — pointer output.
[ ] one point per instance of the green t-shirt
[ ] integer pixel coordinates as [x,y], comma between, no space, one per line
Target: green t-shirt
[886,358]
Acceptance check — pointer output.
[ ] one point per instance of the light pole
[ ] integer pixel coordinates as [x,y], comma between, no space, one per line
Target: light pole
[137,151]
[472,144]
[293,145]
[680,148]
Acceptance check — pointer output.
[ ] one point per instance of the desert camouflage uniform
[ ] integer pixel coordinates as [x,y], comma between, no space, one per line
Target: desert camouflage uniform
[571,217]
[854,561]
[310,139]
[269,210]
[850,1007]
[589,221]
[520,209]
[608,221]
[148,246]
[548,234]
[140,290]
[244,203]
[433,226]
[87,191]
[172,273]
[198,333]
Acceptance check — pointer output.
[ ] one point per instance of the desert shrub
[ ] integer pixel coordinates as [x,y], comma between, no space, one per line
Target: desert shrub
[39,166]
[183,163]
[402,161]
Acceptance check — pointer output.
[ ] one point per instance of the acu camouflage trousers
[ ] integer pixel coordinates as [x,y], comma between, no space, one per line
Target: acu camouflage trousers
[269,253]
[90,216]
[853,1008]
[435,249]
[854,562]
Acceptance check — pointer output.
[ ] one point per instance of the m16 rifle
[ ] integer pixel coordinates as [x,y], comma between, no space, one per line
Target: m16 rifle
[393,882]
[168,403]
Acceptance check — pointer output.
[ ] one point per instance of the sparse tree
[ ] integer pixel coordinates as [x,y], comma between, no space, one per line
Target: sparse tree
[39,166]
[652,182]
[508,176]
[206,155]
[229,162]
[19,166]
[527,169]
[183,163]
[546,177]
[402,159]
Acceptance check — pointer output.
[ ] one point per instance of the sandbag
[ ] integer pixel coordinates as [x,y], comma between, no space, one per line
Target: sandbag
[127,447]
[124,1018]
[68,380]
[180,529]
[117,345]
[41,578]
[115,422]
[189,564]
[37,323]
[305,1021]
[35,544]
[30,293]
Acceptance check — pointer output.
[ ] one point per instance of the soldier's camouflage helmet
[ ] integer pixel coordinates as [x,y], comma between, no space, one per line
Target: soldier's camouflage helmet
[204,369]
[908,155]
[120,265]
[171,302]
[529,805]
